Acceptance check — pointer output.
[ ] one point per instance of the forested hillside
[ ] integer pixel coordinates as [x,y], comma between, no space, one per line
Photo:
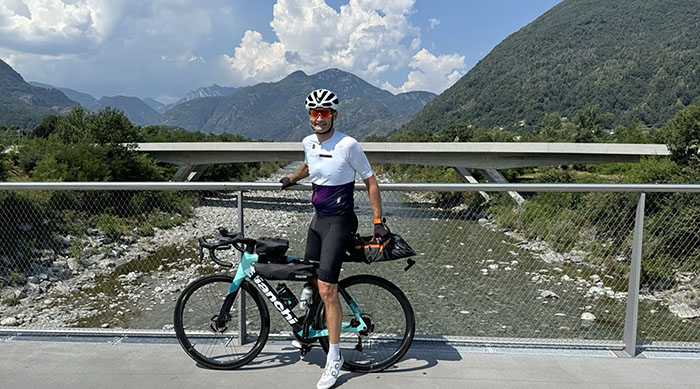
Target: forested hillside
[637,59]
[23,104]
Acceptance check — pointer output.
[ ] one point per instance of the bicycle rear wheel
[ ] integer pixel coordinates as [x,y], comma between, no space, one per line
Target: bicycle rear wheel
[389,315]
[214,345]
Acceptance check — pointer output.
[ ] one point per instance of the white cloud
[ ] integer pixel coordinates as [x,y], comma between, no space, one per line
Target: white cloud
[124,46]
[432,23]
[364,37]
[267,59]
[431,73]
[52,26]
[166,47]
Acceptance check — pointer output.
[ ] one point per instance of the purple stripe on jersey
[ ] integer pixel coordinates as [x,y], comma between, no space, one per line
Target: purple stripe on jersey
[332,200]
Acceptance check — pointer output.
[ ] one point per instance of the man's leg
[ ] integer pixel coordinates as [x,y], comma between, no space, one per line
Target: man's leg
[334,361]
[334,312]
[336,240]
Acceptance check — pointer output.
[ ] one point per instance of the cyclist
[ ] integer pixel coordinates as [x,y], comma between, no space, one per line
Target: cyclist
[331,159]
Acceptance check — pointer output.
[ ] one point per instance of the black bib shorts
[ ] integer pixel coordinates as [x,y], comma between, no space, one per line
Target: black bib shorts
[328,241]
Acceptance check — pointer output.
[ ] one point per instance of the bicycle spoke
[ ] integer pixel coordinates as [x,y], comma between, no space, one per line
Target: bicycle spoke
[219,348]
[390,322]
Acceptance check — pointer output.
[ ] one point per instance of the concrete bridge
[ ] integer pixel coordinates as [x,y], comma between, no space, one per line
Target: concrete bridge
[487,158]
[469,155]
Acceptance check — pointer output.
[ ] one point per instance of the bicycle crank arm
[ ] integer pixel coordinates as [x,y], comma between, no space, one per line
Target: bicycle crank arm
[346,327]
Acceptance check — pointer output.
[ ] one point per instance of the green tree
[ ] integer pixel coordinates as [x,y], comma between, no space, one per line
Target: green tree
[590,123]
[46,127]
[682,133]
[4,164]
[631,133]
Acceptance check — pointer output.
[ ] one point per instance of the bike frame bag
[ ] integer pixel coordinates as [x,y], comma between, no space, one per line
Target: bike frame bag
[271,250]
[289,272]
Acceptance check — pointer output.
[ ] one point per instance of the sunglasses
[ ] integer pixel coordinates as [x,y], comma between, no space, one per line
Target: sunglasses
[325,113]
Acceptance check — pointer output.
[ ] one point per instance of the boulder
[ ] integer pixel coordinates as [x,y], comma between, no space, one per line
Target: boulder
[684,311]
[548,294]
[32,289]
[73,264]
[587,316]
[15,293]
[9,322]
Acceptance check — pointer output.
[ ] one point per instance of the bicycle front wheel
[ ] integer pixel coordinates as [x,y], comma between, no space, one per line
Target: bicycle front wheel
[220,343]
[389,316]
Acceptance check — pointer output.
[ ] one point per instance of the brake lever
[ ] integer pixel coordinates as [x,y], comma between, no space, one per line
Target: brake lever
[212,254]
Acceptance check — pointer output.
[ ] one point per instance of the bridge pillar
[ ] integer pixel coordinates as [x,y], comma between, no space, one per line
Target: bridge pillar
[467,177]
[492,175]
[187,173]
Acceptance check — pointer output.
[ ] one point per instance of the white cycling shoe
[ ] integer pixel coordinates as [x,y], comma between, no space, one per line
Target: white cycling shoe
[330,374]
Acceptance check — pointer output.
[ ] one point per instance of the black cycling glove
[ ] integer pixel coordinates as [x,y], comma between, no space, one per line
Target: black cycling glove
[286,182]
[381,231]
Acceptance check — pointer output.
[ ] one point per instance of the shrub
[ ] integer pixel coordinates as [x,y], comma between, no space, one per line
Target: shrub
[114,227]
[16,279]
[10,301]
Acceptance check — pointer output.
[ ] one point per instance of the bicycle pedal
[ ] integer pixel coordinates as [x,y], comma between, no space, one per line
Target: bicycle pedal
[304,348]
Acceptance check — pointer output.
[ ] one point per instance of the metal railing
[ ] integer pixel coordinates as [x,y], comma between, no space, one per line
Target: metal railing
[576,263]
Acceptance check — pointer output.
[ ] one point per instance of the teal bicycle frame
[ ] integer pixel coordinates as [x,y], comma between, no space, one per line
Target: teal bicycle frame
[246,269]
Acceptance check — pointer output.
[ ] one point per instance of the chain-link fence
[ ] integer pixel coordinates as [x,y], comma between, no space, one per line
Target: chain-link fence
[555,268]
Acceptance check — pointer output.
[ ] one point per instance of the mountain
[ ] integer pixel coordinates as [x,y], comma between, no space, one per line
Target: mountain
[275,110]
[193,114]
[142,112]
[156,105]
[24,104]
[634,58]
[134,108]
[83,99]
[209,91]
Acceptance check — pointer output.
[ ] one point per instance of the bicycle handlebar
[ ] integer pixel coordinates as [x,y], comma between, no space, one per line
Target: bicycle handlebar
[225,242]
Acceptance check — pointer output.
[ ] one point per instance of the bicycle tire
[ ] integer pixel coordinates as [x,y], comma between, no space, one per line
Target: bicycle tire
[385,348]
[215,348]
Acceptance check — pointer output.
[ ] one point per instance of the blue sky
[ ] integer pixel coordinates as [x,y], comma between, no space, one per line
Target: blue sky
[163,49]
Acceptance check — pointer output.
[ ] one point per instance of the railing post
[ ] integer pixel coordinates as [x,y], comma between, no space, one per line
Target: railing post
[631,316]
[240,304]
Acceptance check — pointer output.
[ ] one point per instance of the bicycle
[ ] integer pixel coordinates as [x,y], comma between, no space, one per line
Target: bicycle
[377,333]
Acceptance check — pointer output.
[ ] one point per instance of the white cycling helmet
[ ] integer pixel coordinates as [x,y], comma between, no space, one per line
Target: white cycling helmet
[322,98]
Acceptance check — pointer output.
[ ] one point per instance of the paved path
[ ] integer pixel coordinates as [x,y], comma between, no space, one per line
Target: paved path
[27,362]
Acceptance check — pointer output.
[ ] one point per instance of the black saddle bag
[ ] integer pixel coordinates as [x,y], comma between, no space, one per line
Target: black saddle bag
[367,249]
[271,250]
[289,271]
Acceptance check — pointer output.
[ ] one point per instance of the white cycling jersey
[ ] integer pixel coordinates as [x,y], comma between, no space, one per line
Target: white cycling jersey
[332,166]
[335,160]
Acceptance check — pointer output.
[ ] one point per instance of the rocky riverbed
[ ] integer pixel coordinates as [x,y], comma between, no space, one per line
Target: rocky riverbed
[683,300]
[112,280]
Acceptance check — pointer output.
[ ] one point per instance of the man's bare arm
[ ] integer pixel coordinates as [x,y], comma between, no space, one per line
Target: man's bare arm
[375,199]
[300,174]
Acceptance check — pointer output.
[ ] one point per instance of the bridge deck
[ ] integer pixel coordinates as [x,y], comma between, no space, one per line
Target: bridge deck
[160,363]
[470,155]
